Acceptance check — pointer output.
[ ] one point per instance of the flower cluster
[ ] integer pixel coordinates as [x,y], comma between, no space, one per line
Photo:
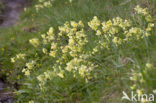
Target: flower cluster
[94,24]
[18,57]
[119,31]
[141,79]
[78,65]
[72,47]
[140,10]
[43,4]
[143,12]
[28,67]
[42,78]
[74,40]
[34,42]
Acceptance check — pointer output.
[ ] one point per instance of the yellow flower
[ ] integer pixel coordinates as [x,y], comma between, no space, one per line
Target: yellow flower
[51,31]
[53,46]
[45,51]
[148,65]
[20,56]
[13,60]
[83,70]
[133,87]
[134,78]
[31,101]
[71,42]
[109,23]
[70,1]
[47,4]
[30,65]
[150,26]
[117,40]
[140,10]
[65,49]
[94,24]
[2,49]
[148,18]
[139,92]
[74,24]
[106,25]
[27,72]
[148,29]
[61,74]
[108,78]
[98,32]
[81,24]
[52,53]
[113,30]
[43,36]
[47,74]
[62,29]
[34,42]
[41,78]
[147,34]
[154,91]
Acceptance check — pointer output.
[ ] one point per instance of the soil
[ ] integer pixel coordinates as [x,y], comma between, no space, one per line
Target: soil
[11,11]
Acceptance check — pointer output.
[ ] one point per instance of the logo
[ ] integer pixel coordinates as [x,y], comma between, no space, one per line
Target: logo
[137,97]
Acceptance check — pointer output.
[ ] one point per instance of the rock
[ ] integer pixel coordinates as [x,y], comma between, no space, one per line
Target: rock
[6,95]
